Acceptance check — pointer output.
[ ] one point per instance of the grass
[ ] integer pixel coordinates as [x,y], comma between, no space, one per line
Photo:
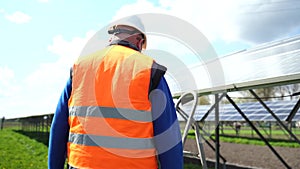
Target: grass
[248,131]
[192,166]
[28,150]
[246,138]
[22,152]
[256,141]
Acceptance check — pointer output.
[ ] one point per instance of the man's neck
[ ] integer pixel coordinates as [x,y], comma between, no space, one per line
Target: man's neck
[125,43]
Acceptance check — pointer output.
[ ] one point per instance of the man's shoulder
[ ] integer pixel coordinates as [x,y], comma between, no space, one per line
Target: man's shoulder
[96,54]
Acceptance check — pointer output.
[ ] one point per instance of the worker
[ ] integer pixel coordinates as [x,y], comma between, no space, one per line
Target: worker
[116,111]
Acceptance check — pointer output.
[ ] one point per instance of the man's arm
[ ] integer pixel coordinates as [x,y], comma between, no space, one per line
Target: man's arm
[167,134]
[59,131]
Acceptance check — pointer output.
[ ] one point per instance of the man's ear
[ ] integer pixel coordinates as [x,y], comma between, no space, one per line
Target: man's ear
[110,39]
[140,44]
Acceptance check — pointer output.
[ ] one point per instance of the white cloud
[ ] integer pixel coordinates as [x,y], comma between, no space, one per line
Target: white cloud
[8,86]
[56,73]
[44,85]
[39,92]
[18,17]
[264,21]
[9,90]
[16,98]
[209,18]
[253,21]
[2,10]
[69,50]
[6,75]
[197,13]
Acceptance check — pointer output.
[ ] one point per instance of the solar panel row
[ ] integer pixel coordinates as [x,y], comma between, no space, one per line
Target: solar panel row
[254,111]
[266,65]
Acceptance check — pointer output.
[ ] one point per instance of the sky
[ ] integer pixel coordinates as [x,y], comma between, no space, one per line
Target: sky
[40,39]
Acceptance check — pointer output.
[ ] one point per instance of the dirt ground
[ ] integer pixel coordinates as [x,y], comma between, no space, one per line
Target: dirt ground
[251,155]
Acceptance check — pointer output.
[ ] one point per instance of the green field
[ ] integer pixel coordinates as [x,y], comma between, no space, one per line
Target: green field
[279,138]
[23,150]
[26,150]
[274,132]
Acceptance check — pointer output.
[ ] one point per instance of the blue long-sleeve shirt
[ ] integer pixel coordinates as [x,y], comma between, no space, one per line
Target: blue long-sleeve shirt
[167,135]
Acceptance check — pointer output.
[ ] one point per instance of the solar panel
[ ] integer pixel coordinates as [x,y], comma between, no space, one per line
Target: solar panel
[228,112]
[297,117]
[253,110]
[236,118]
[256,117]
[224,117]
[282,111]
[265,65]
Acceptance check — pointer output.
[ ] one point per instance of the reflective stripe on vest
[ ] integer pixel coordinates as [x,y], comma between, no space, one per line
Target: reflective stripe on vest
[111,142]
[109,112]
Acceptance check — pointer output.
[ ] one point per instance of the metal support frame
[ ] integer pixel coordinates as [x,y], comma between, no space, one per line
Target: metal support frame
[262,127]
[185,98]
[217,134]
[217,145]
[212,107]
[293,112]
[274,115]
[210,144]
[197,134]
[257,131]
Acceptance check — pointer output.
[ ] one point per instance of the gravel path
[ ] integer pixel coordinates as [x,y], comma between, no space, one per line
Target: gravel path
[251,155]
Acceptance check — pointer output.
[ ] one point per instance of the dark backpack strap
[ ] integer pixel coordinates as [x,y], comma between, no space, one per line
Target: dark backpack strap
[157,71]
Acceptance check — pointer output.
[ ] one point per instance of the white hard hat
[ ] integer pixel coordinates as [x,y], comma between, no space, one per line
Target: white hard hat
[134,22]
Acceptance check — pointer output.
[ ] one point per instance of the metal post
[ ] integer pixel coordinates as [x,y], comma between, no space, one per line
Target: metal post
[222,127]
[2,122]
[217,165]
[263,128]
[270,128]
[257,132]
[48,123]
[185,117]
[200,146]
[190,121]
[43,125]
[294,111]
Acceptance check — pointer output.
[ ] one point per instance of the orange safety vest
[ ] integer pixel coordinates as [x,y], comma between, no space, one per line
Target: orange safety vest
[109,112]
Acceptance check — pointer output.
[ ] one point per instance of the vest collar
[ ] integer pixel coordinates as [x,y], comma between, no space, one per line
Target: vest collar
[125,43]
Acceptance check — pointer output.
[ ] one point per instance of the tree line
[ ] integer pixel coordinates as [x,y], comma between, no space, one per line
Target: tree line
[286,92]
